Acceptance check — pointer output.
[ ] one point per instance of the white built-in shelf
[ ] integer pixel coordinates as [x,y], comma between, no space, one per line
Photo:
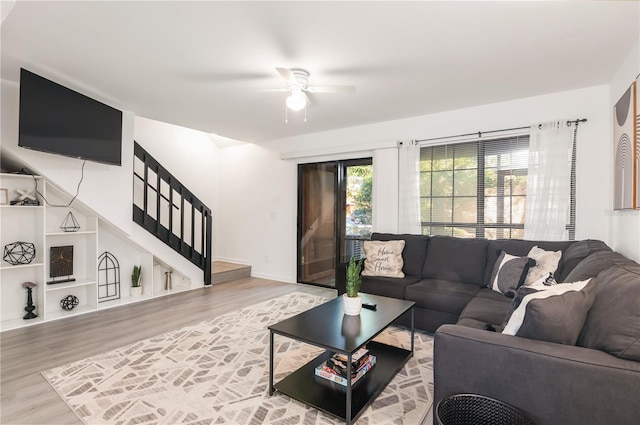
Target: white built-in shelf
[67,285]
[5,266]
[83,308]
[22,207]
[124,300]
[79,232]
[18,323]
[40,225]
[163,292]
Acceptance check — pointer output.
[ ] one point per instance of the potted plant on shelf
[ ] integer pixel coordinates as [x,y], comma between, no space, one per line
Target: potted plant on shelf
[136,283]
[352,300]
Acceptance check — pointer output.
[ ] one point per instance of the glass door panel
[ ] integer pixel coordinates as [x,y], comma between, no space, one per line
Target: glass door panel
[356,214]
[334,216]
[317,223]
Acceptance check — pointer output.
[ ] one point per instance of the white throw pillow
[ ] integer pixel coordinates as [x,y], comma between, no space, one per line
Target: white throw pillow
[546,262]
[383,258]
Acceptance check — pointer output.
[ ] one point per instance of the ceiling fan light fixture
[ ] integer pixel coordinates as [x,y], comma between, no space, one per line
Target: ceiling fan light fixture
[296,100]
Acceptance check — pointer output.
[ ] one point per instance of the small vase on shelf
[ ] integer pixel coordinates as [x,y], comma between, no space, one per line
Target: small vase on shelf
[136,286]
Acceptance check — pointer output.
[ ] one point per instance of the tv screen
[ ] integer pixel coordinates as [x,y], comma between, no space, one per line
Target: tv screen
[56,119]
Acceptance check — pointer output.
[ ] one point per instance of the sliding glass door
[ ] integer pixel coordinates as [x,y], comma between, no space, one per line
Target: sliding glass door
[334,216]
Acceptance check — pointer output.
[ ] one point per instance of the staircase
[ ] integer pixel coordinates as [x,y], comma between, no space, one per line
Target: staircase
[222,271]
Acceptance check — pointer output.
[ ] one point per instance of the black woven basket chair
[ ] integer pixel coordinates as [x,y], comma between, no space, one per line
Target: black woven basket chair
[473,409]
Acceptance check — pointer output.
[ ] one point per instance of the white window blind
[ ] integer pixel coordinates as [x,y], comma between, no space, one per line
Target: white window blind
[475,189]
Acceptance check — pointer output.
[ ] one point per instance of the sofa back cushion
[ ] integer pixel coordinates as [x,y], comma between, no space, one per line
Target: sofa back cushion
[575,254]
[415,250]
[519,248]
[456,259]
[613,323]
[594,264]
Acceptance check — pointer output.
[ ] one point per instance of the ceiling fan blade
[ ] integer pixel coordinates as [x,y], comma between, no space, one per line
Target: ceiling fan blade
[331,89]
[287,75]
[280,90]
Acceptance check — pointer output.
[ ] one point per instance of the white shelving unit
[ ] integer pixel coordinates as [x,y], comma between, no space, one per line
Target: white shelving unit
[40,225]
[85,248]
[21,224]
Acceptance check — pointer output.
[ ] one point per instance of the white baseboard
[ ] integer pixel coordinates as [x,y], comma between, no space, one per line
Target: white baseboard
[233,260]
[285,279]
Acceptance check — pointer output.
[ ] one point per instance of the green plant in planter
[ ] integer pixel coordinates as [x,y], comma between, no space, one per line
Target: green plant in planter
[354,280]
[135,276]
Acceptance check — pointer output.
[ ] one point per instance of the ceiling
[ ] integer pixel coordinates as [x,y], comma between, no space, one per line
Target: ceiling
[203,64]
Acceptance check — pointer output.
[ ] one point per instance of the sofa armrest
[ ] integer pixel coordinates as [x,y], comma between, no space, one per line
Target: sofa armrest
[551,383]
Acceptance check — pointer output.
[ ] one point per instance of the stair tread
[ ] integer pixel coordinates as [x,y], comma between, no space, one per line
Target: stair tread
[223,271]
[223,266]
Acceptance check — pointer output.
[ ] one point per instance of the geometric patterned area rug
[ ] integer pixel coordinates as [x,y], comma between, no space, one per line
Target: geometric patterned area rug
[217,372]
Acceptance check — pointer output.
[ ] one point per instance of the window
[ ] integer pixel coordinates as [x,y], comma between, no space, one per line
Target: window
[475,189]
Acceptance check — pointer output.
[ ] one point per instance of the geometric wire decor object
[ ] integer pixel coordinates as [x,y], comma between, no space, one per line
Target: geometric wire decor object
[61,263]
[108,277]
[69,302]
[70,224]
[17,253]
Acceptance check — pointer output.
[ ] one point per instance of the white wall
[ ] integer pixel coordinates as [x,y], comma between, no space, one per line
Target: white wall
[105,188]
[257,211]
[259,185]
[625,224]
[108,190]
[188,154]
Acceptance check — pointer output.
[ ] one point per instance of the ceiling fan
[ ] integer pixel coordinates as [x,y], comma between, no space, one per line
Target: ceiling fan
[298,82]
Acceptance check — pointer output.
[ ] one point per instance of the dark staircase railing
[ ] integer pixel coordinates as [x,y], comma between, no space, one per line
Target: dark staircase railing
[168,210]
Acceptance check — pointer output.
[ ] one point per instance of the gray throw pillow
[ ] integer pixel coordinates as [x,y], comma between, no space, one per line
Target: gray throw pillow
[551,313]
[509,273]
[613,323]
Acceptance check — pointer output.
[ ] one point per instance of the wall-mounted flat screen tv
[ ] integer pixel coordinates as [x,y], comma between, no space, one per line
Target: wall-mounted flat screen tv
[56,119]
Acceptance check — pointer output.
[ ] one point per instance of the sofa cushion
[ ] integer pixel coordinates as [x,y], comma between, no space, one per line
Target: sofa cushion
[415,250]
[456,259]
[519,248]
[387,286]
[594,264]
[613,324]
[509,273]
[441,295]
[487,306]
[546,264]
[575,254]
[551,313]
[473,323]
[383,258]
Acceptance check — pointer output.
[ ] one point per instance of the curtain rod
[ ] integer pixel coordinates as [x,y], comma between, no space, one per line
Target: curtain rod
[480,133]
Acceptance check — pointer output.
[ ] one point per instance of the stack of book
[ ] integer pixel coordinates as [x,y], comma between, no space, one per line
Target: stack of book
[335,368]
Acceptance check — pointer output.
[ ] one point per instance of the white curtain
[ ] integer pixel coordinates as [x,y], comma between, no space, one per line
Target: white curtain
[408,187]
[549,181]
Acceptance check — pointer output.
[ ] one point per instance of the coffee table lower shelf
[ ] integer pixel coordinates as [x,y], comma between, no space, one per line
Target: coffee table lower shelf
[330,397]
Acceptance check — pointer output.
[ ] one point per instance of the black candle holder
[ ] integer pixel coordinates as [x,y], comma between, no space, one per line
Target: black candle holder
[30,307]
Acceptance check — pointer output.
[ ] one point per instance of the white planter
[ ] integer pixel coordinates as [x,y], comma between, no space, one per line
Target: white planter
[135,291]
[352,305]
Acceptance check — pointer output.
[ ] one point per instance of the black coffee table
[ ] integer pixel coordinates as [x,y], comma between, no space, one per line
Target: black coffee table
[326,326]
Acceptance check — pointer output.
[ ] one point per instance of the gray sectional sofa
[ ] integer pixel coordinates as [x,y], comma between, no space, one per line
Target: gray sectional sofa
[595,381]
